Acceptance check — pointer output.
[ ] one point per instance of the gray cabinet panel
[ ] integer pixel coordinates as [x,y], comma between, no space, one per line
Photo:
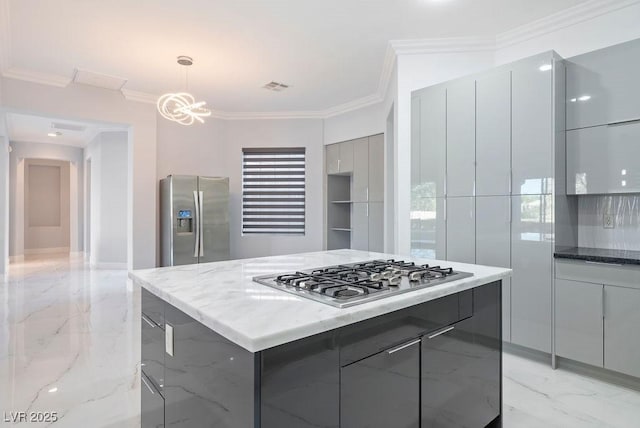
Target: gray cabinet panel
[376,168]
[394,374]
[433,142]
[602,86]
[461,230]
[621,338]
[603,159]
[531,261]
[215,223]
[599,273]
[493,245]
[429,228]
[346,157]
[415,143]
[360,226]
[532,126]
[493,134]
[578,321]
[152,405]
[461,121]
[333,154]
[360,177]
[376,226]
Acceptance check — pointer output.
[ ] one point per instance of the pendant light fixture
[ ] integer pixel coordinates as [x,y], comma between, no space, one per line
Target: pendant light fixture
[182,107]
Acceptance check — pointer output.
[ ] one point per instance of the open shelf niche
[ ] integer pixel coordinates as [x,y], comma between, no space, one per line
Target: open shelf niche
[339,212]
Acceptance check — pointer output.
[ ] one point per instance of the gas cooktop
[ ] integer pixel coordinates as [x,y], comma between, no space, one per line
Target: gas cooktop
[352,284]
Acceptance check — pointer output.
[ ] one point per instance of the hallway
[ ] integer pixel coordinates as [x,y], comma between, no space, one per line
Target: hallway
[66,335]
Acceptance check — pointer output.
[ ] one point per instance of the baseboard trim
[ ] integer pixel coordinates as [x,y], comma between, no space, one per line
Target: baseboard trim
[54,250]
[109,266]
[532,354]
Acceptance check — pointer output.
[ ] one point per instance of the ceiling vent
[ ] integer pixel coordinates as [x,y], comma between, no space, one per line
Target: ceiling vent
[275,86]
[85,77]
[68,127]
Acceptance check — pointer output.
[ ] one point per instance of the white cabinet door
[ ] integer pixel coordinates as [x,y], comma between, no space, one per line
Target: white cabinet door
[461,230]
[360,176]
[578,321]
[433,142]
[532,126]
[604,159]
[493,245]
[428,228]
[531,261]
[493,134]
[461,138]
[346,157]
[333,155]
[621,336]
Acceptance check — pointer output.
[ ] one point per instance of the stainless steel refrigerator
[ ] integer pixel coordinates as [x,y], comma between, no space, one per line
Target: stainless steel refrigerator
[194,219]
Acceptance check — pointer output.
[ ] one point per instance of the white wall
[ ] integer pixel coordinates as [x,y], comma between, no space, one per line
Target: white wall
[26,150]
[47,220]
[274,133]
[86,103]
[355,124]
[108,198]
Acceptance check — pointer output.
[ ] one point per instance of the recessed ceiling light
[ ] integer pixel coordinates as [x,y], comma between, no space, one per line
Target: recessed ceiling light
[54,134]
[545,67]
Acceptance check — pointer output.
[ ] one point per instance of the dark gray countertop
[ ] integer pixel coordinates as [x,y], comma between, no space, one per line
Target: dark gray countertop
[602,255]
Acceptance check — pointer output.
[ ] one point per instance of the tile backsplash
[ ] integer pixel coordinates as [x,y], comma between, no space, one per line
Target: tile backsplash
[626,215]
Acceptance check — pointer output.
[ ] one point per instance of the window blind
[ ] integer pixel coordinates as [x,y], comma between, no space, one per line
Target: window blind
[273,190]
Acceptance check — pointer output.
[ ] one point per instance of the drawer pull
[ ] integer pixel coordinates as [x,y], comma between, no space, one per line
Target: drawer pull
[405,346]
[147,385]
[589,262]
[148,321]
[443,331]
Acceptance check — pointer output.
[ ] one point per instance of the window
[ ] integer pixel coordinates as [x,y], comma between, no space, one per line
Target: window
[273,190]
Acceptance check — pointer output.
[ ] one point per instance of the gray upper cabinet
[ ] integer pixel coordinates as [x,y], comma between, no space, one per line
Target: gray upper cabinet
[493,134]
[604,159]
[621,338]
[603,87]
[376,168]
[461,138]
[333,154]
[532,125]
[340,158]
[433,142]
[578,321]
[461,233]
[360,177]
[532,264]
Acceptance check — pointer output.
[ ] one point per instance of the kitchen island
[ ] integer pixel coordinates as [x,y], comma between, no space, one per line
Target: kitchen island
[220,350]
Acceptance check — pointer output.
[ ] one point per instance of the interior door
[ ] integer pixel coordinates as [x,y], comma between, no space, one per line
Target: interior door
[183,209]
[215,218]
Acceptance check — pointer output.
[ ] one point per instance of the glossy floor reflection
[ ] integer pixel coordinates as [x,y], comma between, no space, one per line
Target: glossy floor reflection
[69,343]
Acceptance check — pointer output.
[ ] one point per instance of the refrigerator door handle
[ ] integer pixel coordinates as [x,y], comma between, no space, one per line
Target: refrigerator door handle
[197,212]
[201,225]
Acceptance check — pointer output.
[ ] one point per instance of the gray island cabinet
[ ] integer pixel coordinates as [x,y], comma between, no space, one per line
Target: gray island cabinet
[431,362]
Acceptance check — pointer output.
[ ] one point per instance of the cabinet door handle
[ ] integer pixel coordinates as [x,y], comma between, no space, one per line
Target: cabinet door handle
[603,293]
[443,331]
[168,339]
[148,321]
[589,262]
[401,347]
[147,385]
[338,165]
[367,195]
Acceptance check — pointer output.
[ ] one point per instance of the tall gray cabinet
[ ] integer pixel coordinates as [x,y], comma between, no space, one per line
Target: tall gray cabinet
[483,182]
[355,194]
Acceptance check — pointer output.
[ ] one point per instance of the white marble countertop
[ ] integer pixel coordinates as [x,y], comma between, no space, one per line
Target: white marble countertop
[224,297]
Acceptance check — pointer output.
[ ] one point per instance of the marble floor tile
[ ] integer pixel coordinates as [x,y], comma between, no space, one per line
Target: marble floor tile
[70,343]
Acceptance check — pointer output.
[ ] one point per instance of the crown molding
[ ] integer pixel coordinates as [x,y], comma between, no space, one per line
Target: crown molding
[36,77]
[269,115]
[559,20]
[138,96]
[443,45]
